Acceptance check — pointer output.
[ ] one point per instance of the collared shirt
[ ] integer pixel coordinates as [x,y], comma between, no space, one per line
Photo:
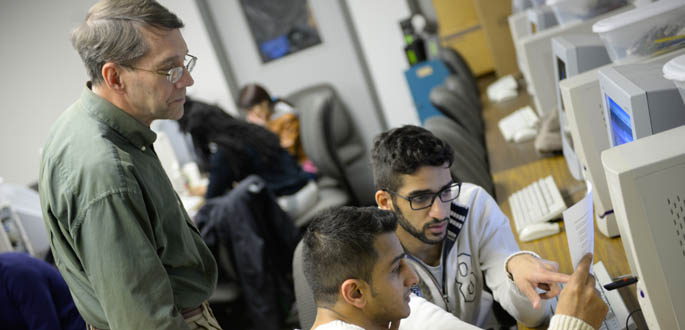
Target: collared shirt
[120,236]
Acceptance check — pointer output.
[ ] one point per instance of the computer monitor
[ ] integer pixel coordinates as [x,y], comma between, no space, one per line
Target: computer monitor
[181,143]
[13,237]
[540,18]
[518,26]
[170,163]
[583,102]
[647,187]
[23,226]
[574,54]
[537,58]
[639,101]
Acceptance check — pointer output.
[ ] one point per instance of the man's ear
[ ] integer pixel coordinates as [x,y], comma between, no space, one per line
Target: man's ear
[112,78]
[384,200]
[353,291]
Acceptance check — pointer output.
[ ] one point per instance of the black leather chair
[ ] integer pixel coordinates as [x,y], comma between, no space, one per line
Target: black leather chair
[470,157]
[458,66]
[332,141]
[459,110]
[460,86]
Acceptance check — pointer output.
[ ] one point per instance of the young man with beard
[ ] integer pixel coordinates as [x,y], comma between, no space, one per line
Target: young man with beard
[455,236]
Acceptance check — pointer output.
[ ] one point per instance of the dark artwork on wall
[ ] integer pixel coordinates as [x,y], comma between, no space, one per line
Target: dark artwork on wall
[280,27]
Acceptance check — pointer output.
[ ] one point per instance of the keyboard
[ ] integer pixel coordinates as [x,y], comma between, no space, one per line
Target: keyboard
[618,312]
[538,202]
[517,120]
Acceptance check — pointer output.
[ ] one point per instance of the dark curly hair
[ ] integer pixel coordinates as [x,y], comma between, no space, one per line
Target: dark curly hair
[402,151]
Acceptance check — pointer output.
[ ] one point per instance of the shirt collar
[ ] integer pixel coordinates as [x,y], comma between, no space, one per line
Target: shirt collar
[117,119]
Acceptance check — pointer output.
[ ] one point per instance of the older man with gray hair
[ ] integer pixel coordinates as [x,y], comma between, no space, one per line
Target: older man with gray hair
[131,256]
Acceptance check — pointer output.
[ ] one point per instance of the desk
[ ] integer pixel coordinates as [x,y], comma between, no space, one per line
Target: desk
[514,166]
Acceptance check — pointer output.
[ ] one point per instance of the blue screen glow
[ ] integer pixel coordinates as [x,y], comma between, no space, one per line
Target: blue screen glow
[621,128]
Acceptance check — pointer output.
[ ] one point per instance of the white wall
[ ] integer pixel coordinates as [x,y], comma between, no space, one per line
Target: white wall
[42,74]
[210,84]
[334,60]
[377,26]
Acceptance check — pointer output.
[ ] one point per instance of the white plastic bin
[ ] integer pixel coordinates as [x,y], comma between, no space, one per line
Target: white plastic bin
[651,29]
[675,70]
[568,11]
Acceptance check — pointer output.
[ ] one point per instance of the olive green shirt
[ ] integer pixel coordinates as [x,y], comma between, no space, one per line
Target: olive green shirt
[120,236]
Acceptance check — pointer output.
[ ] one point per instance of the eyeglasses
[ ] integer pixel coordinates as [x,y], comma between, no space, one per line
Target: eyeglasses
[173,75]
[424,201]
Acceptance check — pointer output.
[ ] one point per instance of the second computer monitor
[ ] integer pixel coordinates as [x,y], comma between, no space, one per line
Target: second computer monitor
[639,101]
[577,53]
[536,55]
[574,54]
[541,18]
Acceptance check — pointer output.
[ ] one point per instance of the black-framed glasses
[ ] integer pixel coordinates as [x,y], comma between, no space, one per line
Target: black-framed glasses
[174,74]
[424,201]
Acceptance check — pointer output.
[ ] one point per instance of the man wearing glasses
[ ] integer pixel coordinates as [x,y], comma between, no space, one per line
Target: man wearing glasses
[456,237]
[120,236]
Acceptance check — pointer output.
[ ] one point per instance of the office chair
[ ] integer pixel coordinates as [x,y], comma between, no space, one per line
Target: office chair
[330,195]
[457,65]
[460,86]
[332,141]
[304,296]
[459,110]
[227,289]
[470,158]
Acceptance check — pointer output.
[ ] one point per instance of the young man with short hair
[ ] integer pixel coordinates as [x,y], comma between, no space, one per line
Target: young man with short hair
[357,269]
[455,235]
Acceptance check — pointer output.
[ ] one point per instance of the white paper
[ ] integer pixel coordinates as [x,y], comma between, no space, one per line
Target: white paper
[579,226]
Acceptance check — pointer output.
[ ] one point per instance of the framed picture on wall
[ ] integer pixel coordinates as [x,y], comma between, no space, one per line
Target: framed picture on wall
[281,27]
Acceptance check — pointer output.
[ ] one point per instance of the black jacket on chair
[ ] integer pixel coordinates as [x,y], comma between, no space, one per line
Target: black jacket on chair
[261,239]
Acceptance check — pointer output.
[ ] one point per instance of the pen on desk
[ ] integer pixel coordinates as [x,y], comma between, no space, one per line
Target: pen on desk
[621,282]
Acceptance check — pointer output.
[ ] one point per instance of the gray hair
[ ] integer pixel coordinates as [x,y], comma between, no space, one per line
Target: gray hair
[111,32]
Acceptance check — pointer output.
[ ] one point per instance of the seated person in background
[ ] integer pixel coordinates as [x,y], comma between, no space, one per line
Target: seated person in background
[276,115]
[33,295]
[234,149]
[360,278]
[455,235]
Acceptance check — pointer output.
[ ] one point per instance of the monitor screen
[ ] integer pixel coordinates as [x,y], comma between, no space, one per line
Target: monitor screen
[561,68]
[621,128]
